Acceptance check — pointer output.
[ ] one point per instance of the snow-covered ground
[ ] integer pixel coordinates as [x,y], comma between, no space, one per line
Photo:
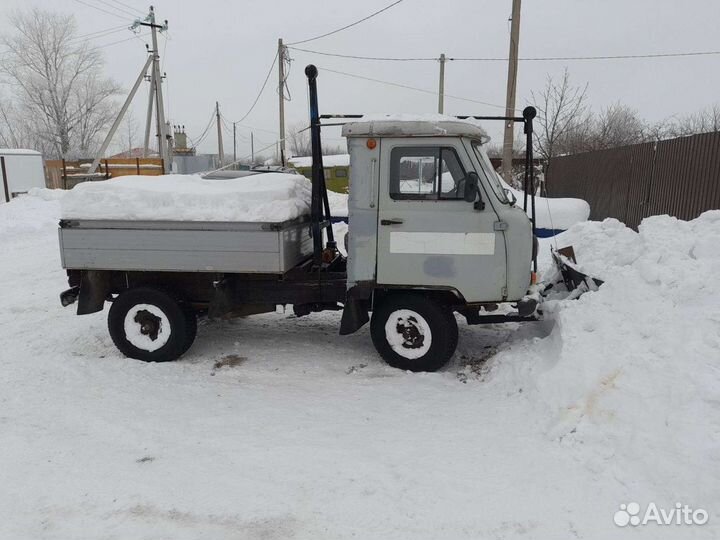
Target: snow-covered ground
[276,427]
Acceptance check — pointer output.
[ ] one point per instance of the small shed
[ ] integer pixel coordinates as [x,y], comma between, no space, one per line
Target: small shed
[336,167]
[23,171]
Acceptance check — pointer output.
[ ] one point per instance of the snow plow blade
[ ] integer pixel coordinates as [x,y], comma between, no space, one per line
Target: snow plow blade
[574,279]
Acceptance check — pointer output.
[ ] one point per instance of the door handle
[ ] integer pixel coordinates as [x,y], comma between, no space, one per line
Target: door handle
[391,221]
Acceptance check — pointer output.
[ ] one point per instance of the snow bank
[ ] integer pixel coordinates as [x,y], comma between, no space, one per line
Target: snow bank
[631,372]
[269,197]
[33,212]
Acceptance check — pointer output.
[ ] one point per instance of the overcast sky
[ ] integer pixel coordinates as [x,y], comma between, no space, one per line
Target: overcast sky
[221,50]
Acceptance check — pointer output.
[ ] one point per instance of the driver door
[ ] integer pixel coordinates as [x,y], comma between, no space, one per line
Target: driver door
[428,235]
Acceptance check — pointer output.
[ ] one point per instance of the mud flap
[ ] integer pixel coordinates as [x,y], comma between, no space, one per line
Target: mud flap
[94,290]
[355,313]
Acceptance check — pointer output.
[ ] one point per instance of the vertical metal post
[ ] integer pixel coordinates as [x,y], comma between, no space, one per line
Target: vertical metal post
[506,169]
[137,165]
[234,142]
[441,90]
[319,203]
[529,114]
[281,95]
[221,152]
[169,150]
[6,188]
[252,149]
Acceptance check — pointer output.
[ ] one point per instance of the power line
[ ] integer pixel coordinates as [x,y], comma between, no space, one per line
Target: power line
[407,87]
[606,57]
[119,9]
[121,41]
[101,33]
[502,59]
[262,89]
[355,57]
[206,130]
[100,9]
[131,8]
[257,128]
[349,25]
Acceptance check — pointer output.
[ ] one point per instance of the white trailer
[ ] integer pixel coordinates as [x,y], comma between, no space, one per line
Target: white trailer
[23,171]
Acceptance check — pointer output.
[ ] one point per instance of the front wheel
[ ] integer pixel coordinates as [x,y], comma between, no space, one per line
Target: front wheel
[414,332]
[151,325]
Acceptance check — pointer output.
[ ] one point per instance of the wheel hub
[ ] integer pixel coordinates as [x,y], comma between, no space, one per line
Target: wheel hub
[412,338]
[149,324]
[408,333]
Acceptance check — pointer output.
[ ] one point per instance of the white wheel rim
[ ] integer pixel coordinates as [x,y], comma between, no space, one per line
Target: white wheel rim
[147,327]
[408,333]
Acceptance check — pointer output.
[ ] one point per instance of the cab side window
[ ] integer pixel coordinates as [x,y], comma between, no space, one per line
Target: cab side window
[426,173]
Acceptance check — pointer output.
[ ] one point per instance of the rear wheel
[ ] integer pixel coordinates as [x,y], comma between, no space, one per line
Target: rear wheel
[151,325]
[414,332]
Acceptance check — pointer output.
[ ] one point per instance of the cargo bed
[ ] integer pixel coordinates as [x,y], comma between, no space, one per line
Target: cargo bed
[175,246]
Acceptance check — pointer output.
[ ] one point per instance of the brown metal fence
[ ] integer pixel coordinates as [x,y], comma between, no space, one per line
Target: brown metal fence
[680,177]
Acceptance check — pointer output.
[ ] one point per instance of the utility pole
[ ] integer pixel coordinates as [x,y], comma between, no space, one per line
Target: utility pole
[221,153]
[511,87]
[234,142]
[155,90]
[153,63]
[281,94]
[441,91]
[252,149]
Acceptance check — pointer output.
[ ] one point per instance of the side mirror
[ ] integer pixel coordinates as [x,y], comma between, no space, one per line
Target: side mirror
[511,197]
[471,187]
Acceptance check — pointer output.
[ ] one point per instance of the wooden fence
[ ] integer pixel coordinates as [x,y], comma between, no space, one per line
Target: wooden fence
[64,174]
[679,177]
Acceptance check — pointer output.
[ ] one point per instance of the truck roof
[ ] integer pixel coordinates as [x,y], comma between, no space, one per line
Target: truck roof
[413,125]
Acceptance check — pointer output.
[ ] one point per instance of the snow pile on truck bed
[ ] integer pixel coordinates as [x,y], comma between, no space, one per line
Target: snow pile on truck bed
[267,197]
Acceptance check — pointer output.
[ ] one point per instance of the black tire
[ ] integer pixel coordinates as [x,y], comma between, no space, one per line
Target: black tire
[415,316]
[150,306]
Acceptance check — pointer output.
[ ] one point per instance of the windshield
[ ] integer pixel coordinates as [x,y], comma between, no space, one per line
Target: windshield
[493,178]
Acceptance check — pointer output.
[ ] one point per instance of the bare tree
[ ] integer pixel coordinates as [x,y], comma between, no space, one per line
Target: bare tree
[561,110]
[704,121]
[14,132]
[56,81]
[618,125]
[298,139]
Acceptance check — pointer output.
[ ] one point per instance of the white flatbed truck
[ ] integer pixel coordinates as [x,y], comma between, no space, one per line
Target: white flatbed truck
[431,233]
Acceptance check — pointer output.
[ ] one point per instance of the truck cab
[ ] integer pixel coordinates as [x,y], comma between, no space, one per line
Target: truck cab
[426,210]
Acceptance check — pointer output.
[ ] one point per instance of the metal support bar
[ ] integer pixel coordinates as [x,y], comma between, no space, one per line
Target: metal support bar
[529,114]
[319,205]
[6,188]
[441,85]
